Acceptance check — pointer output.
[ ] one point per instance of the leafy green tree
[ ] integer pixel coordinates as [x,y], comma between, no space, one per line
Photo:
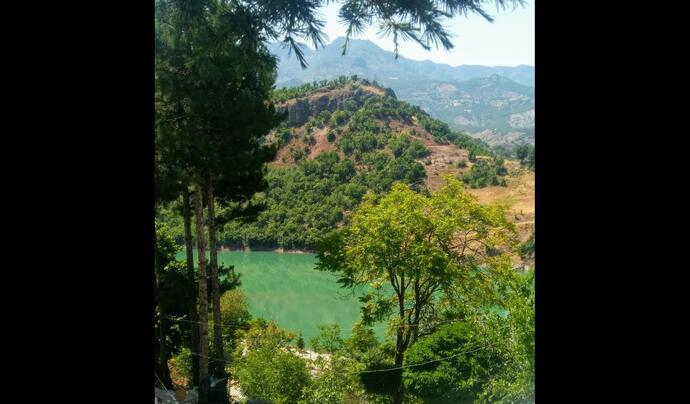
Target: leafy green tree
[526,249]
[274,376]
[486,173]
[337,382]
[510,335]
[525,153]
[417,150]
[285,135]
[456,364]
[328,340]
[487,357]
[323,117]
[472,157]
[408,248]
[268,370]
[181,365]
[529,162]
[337,377]
[399,144]
[297,154]
[263,333]
[339,117]
[404,170]
[521,152]
[499,163]
[235,314]
[404,145]
[361,341]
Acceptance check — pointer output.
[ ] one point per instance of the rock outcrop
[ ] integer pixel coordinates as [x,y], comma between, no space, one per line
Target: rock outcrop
[299,110]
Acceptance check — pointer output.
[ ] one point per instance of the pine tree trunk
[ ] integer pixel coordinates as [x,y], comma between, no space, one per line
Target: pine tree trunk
[164,351]
[215,289]
[193,314]
[203,297]
[162,366]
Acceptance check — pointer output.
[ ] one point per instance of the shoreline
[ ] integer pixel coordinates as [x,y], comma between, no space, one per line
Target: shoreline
[279,250]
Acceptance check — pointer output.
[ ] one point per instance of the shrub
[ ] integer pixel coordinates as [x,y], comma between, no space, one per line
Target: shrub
[328,340]
[339,117]
[234,314]
[485,173]
[268,371]
[472,156]
[181,368]
[297,154]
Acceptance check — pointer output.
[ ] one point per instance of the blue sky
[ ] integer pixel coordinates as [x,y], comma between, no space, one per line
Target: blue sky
[508,41]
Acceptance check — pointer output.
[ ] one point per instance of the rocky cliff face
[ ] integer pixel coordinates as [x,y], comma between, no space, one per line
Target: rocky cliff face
[299,110]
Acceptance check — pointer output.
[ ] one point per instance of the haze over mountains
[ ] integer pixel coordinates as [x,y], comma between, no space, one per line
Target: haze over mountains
[495,104]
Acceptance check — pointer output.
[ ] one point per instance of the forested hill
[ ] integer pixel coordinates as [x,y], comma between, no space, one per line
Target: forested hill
[495,104]
[342,138]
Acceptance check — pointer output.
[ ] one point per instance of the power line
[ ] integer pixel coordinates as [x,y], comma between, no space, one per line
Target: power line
[381,370]
[373,327]
[202,356]
[165,388]
[425,363]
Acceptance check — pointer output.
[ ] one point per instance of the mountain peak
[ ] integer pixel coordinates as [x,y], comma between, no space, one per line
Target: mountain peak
[471,98]
[341,40]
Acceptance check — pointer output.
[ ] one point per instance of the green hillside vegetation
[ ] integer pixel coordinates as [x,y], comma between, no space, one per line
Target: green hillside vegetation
[306,200]
[485,173]
[525,154]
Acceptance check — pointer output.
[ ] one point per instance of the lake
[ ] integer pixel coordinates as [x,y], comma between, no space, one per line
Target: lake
[288,289]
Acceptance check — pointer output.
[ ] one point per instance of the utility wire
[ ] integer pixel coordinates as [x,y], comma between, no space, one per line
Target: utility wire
[165,388]
[373,327]
[384,370]
[425,363]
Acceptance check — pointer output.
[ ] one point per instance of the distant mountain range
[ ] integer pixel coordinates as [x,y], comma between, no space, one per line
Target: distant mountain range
[367,59]
[494,103]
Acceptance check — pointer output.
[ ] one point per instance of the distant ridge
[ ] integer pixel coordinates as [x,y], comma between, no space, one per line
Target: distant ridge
[327,63]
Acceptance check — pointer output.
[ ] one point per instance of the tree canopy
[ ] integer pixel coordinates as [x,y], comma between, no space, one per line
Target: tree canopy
[409,248]
[265,368]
